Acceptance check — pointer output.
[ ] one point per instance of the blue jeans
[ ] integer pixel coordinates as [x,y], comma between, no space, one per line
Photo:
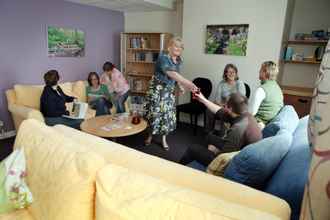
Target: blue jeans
[101,106]
[73,123]
[120,103]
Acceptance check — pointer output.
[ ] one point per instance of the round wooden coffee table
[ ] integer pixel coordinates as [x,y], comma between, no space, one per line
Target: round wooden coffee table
[112,126]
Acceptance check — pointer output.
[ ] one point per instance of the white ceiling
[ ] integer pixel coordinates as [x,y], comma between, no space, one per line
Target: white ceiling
[130,5]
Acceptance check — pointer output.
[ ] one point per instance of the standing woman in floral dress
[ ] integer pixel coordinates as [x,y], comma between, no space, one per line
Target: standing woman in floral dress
[160,99]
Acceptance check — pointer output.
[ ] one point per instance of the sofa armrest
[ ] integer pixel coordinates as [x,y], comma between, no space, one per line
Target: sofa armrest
[11,96]
[25,112]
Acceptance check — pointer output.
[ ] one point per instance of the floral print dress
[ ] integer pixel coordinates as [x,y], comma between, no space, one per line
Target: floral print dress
[160,99]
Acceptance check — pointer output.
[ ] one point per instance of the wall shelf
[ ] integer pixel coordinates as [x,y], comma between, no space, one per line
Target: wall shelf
[298,91]
[308,42]
[138,92]
[303,62]
[143,62]
[143,49]
[140,74]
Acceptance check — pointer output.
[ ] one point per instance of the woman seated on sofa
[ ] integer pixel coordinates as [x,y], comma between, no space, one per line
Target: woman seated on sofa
[267,100]
[98,96]
[117,84]
[229,84]
[52,102]
[243,130]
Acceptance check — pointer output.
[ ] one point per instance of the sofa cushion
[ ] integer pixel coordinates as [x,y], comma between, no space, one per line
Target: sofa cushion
[287,119]
[128,195]
[257,162]
[218,166]
[289,180]
[79,89]
[67,88]
[28,95]
[61,173]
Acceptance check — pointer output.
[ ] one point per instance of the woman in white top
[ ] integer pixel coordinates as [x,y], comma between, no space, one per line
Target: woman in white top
[229,84]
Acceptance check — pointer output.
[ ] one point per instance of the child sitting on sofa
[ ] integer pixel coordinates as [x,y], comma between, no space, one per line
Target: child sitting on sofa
[243,130]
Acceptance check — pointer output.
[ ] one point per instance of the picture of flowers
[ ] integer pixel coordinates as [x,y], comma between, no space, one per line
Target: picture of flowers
[65,42]
[227,39]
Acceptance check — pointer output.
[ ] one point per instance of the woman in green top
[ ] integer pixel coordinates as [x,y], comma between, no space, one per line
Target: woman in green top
[98,96]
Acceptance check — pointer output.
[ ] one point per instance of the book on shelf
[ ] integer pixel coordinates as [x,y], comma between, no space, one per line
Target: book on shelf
[155,57]
[139,42]
[135,84]
[148,57]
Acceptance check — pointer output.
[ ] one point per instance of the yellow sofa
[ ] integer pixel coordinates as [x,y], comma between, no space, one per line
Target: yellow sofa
[24,100]
[74,175]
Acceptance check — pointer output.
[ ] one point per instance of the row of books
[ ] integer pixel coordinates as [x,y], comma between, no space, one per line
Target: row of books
[139,42]
[145,56]
[138,84]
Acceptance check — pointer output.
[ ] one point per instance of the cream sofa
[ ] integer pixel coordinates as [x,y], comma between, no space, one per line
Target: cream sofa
[74,175]
[24,100]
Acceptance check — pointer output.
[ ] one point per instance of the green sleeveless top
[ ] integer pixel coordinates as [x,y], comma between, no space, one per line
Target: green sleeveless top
[273,102]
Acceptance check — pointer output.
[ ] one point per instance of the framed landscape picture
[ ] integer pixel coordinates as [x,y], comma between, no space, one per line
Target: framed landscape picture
[227,39]
[65,42]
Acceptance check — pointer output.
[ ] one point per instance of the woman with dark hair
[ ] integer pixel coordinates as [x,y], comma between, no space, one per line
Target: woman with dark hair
[229,84]
[98,96]
[52,102]
[116,84]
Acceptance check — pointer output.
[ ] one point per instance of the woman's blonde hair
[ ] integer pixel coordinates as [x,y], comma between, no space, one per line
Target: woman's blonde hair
[177,41]
[271,69]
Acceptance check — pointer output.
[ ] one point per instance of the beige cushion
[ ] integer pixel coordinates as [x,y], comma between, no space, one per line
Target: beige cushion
[28,95]
[218,165]
[61,173]
[67,88]
[79,89]
[127,195]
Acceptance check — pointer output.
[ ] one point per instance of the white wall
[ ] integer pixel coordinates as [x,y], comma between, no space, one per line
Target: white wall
[307,16]
[266,19]
[310,15]
[158,21]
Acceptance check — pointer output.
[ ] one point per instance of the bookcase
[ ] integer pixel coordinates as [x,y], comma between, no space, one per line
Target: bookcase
[139,53]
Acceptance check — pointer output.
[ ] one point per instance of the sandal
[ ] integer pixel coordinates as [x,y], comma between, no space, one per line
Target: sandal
[148,141]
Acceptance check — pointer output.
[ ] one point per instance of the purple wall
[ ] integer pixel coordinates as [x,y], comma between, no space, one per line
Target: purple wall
[23,43]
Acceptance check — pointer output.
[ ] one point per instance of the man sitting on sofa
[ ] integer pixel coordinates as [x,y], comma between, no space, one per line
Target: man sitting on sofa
[243,131]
